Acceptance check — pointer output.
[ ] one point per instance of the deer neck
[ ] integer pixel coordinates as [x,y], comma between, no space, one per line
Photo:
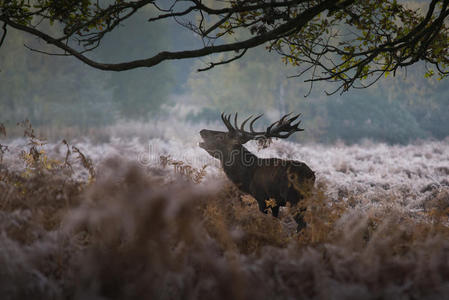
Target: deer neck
[239,164]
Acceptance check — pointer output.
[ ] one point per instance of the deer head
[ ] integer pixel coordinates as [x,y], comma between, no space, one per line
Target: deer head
[219,143]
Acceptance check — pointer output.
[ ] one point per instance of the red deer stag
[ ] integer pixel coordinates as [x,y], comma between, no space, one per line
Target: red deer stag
[263,178]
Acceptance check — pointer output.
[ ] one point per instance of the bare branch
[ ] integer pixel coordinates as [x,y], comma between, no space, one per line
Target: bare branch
[212,64]
[2,39]
[174,14]
[45,52]
[218,24]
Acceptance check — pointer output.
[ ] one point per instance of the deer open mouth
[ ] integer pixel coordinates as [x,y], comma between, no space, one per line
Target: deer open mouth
[207,147]
[203,143]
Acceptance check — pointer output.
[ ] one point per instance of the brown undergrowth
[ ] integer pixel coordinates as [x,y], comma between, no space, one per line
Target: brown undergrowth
[128,233]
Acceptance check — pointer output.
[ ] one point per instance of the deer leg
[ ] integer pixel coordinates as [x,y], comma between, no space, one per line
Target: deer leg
[262,205]
[294,197]
[275,211]
[260,198]
[299,219]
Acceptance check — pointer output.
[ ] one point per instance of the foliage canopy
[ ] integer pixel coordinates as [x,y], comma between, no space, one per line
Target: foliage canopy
[350,42]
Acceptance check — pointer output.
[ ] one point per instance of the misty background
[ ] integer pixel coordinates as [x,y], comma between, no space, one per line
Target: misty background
[57,93]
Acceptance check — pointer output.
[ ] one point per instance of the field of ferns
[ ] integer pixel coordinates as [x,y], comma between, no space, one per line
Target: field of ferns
[139,215]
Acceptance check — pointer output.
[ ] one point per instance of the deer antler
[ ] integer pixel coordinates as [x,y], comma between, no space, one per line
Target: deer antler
[284,125]
[274,130]
[226,121]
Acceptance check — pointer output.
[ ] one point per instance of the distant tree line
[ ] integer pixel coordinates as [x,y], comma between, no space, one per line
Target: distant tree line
[396,110]
[58,91]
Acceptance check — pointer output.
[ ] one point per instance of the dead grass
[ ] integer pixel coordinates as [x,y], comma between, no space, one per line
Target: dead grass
[127,233]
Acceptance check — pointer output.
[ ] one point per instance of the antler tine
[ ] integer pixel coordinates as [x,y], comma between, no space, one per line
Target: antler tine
[296,126]
[230,123]
[269,127]
[282,128]
[283,125]
[251,125]
[242,127]
[283,118]
[294,118]
[281,121]
[226,121]
[223,116]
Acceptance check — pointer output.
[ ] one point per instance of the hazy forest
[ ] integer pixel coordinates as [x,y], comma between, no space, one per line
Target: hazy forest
[55,92]
[105,192]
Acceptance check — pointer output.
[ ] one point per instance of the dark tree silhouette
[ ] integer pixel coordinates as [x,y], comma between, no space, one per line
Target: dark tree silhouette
[350,42]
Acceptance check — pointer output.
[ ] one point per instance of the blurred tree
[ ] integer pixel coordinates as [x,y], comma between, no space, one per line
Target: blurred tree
[401,110]
[139,93]
[426,99]
[54,91]
[253,85]
[49,91]
[359,39]
[354,118]
[348,42]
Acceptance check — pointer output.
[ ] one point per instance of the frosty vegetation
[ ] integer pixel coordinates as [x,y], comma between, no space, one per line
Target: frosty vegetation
[148,214]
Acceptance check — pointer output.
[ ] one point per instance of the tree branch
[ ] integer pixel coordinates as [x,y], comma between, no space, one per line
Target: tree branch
[282,30]
[212,64]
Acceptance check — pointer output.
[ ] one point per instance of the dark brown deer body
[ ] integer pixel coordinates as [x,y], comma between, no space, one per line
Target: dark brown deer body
[263,178]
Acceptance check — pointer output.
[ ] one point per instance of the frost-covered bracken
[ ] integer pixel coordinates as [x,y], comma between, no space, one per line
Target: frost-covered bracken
[380,174]
[159,219]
